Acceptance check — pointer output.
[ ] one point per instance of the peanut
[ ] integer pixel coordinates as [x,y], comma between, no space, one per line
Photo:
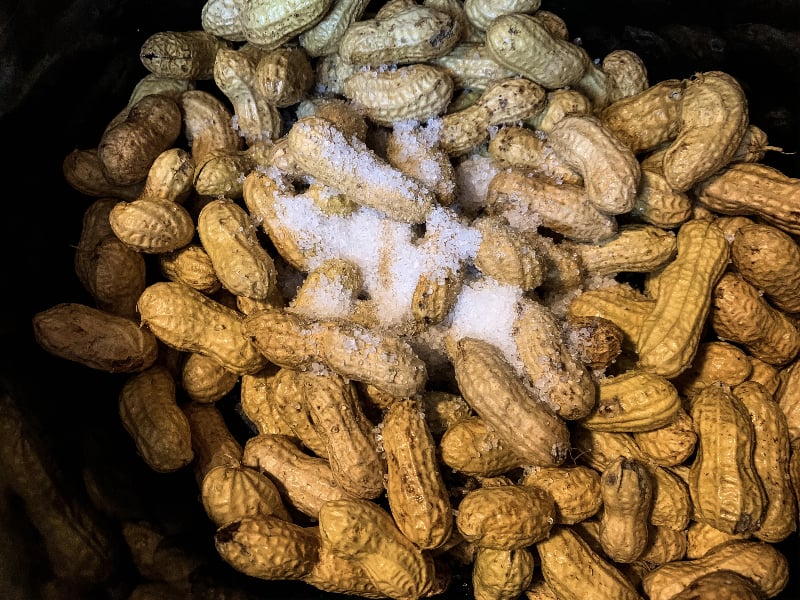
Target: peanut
[191,266]
[181,54]
[634,248]
[231,493]
[268,26]
[575,490]
[471,447]
[289,399]
[501,574]
[627,74]
[470,66]
[283,76]
[324,37]
[597,341]
[714,361]
[789,399]
[627,495]
[723,584]
[658,204]
[559,103]
[259,409]
[671,444]
[204,379]
[83,171]
[702,538]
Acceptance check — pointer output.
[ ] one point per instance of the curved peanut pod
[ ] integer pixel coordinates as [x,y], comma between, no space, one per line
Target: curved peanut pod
[83,171]
[493,389]
[152,226]
[471,447]
[560,103]
[94,338]
[572,568]
[268,25]
[208,125]
[525,149]
[725,487]
[291,403]
[627,496]
[362,531]
[412,34]
[324,37]
[470,66]
[635,248]
[418,499]
[560,380]
[658,204]
[192,266]
[231,493]
[322,150]
[419,92]
[185,319]
[671,332]
[243,266]
[713,121]
[334,573]
[609,169]
[181,54]
[204,379]
[528,201]
[627,74]
[670,444]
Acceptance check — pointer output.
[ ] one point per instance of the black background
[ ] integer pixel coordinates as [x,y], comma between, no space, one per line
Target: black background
[66,68]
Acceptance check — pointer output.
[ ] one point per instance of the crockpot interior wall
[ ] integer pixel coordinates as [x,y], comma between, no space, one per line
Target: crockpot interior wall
[66,68]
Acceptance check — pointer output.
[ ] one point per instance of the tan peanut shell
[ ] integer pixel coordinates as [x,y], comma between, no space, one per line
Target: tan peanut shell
[152,226]
[713,120]
[491,387]
[181,54]
[470,66]
[231,493]
[765,374]
[501,573]
[115,275]
[289,399]
[627,495]
[771,460]
[658,204]
[575,490]
[192,266]
[609,169]
[204,379]
[185,319]
[268,26]
[573,570]
[740,314]
[758,561]
[634,248]
[150,414]
[267,547]
[334,573]
[702,538]
[258,405]
[362,531]
[714,361]
[324,37]
[418,499]
[726,490]
[83,172]
[212,441]
[597,341]
[723,584]
[670,444]
[671,332]
[788,397]
[664,545]
[94,338]
[505,517]
[627,74]
[208,125]
[560,103]
[471,447]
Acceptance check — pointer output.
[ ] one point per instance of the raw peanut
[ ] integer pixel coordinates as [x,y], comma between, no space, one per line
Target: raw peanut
[756,190]
[185,319]
[208,125]
[481,13]
[181,54]
[152,84]
[504,101]
[658,204]
[627,497]
[335,411]
[621,304]
[213,443]
[191,266]
[757,561]
[231,493]
[724,584]
[634,248]
[324,37]
[306,482]
[356,352]
[205,380]
[72,539]
[769,259]
[670,444]
[525,149]
[713,120]
[559,103]
[362,531]
[417,155]
[501,574]
[558,378]
[506,517]
[349,166]
[94,338]
[151,416]
[575,490]
[574,571]
[257,400]
[726,490]
[741,315]
[788,397]
[290,399]
[443,410]
[765,374]
[418,498]
[633,401]
[492,388]
[240,262]
[664,545]
[268,26]
[334,573]
[470,66]
[152,226]
[508,255]
[671,332]
[83,171]
[771,461]
[627,74]
[729,224]
[267,547]
[170,176]
[412,34]
[702,538]
[529,201]
[754,146]
[471,447]
[597,341]
[413,92]
[283,76]
[609,169]
[646,120]
[714,361]
[235,75]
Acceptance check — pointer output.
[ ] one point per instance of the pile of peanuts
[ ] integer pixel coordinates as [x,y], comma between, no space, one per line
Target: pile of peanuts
[489,307]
